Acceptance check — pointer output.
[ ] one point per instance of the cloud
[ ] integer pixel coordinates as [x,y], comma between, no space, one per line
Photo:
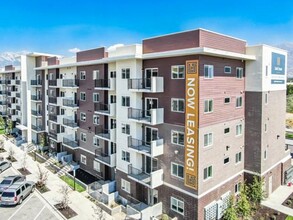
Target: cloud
[113,47]
[74,50]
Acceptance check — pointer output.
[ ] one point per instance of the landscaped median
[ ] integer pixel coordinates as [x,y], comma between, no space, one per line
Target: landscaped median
[70,182]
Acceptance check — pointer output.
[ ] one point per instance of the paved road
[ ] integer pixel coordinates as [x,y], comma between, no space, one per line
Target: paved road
[34,207]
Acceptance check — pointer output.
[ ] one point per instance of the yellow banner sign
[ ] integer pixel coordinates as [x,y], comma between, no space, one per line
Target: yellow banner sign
[191,124]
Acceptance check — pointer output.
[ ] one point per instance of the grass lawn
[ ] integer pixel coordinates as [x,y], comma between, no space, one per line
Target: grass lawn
[289,135]
[69,181]
[2,131]
[289,218]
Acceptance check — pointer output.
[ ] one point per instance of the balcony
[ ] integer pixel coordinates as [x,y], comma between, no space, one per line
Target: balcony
[150,85]
[36,83]
[36,98]
[38,128]
[18,121]
[105,109]
[109,160]
[105,134]
[3,102]
[3,81]
[153,149]
[70,123]
[57,135]
[11,93]
[11,82]
[18,108]
[70,143]
[3,92]
[17,82]
[72,83]
[151,180]
[36,113]
[52,100]
[70,103]
[52,82]
[152,117]
[18,95]
[3,113]
[139,210]
[105,84]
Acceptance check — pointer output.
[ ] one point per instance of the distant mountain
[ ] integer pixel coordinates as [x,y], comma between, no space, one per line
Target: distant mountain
[10,58]
[289,48]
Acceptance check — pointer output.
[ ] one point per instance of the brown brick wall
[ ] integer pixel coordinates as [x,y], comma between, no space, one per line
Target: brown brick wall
[93,54]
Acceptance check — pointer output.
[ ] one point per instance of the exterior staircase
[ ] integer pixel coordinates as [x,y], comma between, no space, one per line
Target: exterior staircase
[64,170]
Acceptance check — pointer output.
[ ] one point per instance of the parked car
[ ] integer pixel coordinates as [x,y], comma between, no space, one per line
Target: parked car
[8,181]
[4,165]
[16,193]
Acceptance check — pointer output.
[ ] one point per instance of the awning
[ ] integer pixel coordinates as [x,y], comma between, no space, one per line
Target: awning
[21,127]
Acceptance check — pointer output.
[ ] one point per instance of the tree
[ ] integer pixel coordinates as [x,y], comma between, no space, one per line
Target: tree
[98,212]
[9,125]
[256,193]
[24,161]
[230,213]
[243,207]
[64,202]
[2,122]
[11,153]
[42,177]
[43,140]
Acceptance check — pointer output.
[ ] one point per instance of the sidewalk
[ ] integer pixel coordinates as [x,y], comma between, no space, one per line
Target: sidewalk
[276,199]
[81,205]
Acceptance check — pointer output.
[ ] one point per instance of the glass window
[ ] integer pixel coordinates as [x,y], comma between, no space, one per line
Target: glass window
[208,172]
[208,140]
[208,106]
[126,156]
[177,138]
[178,105]
[177,170]
[239,73]
[239,102]
[227,69]
[178,72]
[208,71]
[125,73]
[177,205]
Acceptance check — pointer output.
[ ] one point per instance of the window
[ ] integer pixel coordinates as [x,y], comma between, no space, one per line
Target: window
[96,119]
[96,141]
[237,187]
[207,172]
[227,69]
[83,116]
[226,130]
[113,74]
[238,129]
[177,170]
[208,71]
[96,74]
[238,157]
[208,106]
[239,73]
[177,205]
[83,159]
[126,156]
[125,73]
[125,128]
[126,101]
[177,105]
[208,139]
[82,96]
[83,136]
[125,185]
[97,166]
[266,98]
[226,160]
[178,72]
[82,75]
[227,100]
[96,97]
[239,102]
[177,138]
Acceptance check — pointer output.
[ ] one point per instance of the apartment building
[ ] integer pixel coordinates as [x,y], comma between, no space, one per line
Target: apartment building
[179,121]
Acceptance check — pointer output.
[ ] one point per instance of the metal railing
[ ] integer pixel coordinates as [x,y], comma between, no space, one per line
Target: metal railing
[36,113]
[3,92]
[102,156]
[143,83]
[17,82]
[3,102]
[53,100]
[53,118]
[102,83]
[70,102]
[18,108]
[139,145]
[71,143]
[18,95]
[70,83]
[100,131]
[139,114]
[36,82]
[52,82]
[36,97]
[101,107]
[38,128]
[70,122]
[3,81]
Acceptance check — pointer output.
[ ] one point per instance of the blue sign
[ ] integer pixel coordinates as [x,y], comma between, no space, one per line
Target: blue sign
[277,81]
[278,64]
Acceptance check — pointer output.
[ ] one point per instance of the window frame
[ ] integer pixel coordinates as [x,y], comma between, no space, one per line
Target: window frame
[172,170]
[98,120]
[125,101]
[210,137]
[209,171]
[97,95]
[81,94]
[178,133]
[176,205]
[81,118]
[240,125]
[81,159]
[83,137]
[209,75]
[178,72]
[125,128]
[209,101]
[238,157]
[241,73]
[124,73]
[177,100]
[226,103]
[125,156]
[124,184]
[81,74]
[226,71]
[239,99]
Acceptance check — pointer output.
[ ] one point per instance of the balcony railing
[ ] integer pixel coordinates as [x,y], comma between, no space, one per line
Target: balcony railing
[3,92]
[102,83]
[153,148]
[38,128]
[17,82]
[107,159]
[153,116]
[18,95]
[52,82]
[70,82]
[70,143]
[36,82]
[3,102]
[105,134]
[36,97]
[3,113]
[53,100]
[18,121]
[53,118]
[153,84]
[70,122]
[36,113]
[18,107]
[3,81]
[70,103]
[105,109]
[152,179]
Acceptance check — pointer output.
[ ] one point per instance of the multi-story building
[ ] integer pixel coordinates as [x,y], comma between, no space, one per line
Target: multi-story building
[179,121]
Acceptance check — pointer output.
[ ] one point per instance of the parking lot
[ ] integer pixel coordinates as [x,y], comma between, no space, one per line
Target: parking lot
[33,207]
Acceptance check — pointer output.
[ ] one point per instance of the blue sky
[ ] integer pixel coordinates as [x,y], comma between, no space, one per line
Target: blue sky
[57,26]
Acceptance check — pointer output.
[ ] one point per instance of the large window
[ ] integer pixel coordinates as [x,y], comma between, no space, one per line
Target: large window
[207,172]
[238,129]
[125,73]
[177,138]
[125,185]
[208,105]
[178,72]
[208,139]
[239,73]
[208,71]
[125,101]
[125,156]
[177,170]
[239,102]
[177,205]
[178,105]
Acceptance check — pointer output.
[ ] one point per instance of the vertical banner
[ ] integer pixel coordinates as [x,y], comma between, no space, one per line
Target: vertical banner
[191,124]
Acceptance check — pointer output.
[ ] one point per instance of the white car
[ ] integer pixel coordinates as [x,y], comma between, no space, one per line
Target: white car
[4,165]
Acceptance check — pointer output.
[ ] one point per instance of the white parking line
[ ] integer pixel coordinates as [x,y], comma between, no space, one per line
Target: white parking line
[28,198]
[40,212]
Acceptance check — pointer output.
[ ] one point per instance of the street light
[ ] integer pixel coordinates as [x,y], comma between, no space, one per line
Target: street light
[74,179]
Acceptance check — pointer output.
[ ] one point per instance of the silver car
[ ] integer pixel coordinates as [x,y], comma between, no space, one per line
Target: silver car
[8,181]
[16,193]
[4,165]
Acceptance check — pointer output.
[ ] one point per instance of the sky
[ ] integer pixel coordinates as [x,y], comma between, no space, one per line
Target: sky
[62,26]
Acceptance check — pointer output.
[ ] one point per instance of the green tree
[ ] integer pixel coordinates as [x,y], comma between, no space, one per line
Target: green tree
[289,89]
[230,213]
[2,122]
[256,193]
[243,207]
[9,125]
[43,140]
[290,103]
